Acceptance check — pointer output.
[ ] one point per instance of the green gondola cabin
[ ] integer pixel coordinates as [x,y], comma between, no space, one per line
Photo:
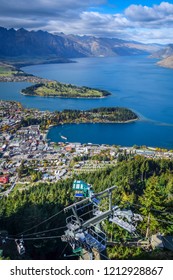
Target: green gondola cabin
[82,189]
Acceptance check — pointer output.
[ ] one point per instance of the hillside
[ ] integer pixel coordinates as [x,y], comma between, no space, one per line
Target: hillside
[166,56]
[150,195]
[166,62]
[10,73]
[164,52]
[22,44]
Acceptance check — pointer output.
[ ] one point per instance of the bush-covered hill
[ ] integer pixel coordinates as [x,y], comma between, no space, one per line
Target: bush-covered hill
[144,185]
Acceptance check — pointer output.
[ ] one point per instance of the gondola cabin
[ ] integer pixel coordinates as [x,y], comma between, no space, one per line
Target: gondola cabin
[82,189]
[20,246]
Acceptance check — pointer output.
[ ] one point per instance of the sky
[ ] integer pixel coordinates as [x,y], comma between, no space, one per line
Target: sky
[147,21]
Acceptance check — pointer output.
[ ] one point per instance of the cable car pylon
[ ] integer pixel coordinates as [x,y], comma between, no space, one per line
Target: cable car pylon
[84,223]
[84,231]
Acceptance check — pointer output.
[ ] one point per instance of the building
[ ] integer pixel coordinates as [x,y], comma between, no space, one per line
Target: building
[4,179]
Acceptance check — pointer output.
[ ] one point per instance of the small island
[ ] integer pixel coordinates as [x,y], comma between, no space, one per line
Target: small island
[47,88]
[57,89]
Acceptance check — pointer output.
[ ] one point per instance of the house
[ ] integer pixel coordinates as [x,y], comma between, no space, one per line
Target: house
[4,179]
[69,148]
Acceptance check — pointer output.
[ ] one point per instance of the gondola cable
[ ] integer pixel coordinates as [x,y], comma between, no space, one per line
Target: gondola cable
[21,233]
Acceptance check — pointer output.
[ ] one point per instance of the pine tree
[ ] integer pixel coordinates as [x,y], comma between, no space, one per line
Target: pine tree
[153,203]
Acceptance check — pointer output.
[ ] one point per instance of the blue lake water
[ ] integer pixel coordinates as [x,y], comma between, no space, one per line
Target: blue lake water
[135,82]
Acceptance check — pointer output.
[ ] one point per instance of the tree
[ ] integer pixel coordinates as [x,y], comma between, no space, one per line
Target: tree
[153,202]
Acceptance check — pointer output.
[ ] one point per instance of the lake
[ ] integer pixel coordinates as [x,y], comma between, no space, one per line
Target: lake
[135,82]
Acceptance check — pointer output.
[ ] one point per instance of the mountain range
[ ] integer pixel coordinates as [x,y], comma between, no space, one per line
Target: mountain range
[22,43]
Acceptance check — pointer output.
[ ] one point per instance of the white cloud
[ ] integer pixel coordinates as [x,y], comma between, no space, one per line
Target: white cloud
[50,15]
[157,13]
[137,22]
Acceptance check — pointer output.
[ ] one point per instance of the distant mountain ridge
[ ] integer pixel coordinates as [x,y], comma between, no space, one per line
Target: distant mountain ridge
[36,44]
[22,43]
[164,52]
[166,56]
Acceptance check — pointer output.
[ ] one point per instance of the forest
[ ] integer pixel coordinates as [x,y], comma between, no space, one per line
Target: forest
[144,185]
[99,115]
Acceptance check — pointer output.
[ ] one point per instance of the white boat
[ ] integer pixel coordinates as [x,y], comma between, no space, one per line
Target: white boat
[63,137]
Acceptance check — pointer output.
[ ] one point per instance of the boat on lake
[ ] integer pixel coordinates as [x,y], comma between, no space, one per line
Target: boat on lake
[63,137]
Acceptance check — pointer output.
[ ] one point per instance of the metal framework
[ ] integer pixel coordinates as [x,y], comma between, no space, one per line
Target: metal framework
[84,221]
[84,225]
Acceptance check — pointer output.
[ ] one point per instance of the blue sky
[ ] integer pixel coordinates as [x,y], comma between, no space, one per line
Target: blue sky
[147,21]
[113,6]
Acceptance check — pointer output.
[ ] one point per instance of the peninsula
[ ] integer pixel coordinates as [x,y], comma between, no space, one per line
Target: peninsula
[11,73]
[97,115]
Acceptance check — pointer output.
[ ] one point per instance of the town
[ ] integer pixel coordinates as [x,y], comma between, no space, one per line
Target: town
[28,157]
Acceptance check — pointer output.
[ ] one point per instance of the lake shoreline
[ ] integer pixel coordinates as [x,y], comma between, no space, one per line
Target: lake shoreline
[62,97]
[135,83]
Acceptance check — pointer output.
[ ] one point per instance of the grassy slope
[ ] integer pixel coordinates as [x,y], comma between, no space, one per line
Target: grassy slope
[7,70]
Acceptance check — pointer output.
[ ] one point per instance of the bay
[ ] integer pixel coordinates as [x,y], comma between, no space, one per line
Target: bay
[114,134]
[135,82]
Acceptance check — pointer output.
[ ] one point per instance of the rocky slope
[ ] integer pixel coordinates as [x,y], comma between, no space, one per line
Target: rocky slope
[166,56]
[166,62]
